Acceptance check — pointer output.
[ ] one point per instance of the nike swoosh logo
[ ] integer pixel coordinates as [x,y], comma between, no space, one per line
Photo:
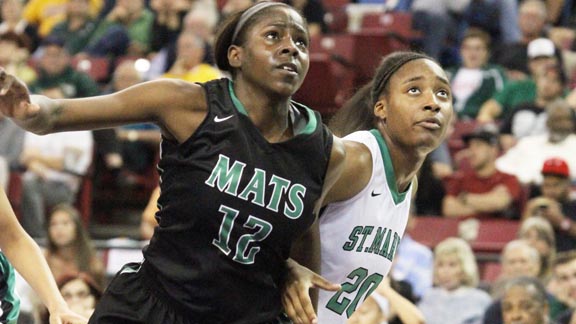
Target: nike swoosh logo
[219,120]
[375,194]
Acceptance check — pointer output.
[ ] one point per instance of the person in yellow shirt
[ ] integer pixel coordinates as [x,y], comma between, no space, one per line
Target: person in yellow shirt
[47,13]
[190,51]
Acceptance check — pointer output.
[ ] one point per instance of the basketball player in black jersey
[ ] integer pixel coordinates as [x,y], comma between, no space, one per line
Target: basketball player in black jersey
[242,171]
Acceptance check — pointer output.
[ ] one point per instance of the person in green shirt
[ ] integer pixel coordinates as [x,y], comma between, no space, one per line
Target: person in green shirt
[541,53]
[474,81]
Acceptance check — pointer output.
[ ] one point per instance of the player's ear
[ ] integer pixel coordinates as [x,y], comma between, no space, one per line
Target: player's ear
[381,109]
[235,56]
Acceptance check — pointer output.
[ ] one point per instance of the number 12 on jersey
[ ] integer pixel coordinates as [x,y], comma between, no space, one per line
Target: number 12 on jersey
[361,284]
[243,254]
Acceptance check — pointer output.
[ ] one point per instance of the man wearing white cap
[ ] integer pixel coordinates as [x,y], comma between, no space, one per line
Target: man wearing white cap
[531,22]
[541,53]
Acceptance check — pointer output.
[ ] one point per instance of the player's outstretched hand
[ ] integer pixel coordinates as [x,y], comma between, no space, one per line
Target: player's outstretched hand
[15,98]
[66,316]
[296,297]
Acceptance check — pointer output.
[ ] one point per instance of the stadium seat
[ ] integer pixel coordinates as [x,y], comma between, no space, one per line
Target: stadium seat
[431,230]
[494,234]
[399,23]
[319,89]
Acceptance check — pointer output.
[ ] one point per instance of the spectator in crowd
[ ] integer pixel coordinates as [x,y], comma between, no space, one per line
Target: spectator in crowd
[541,53]
[564,286]
[413,262]
[529,118]
[81,292]
[525,301]
[518,259]
[200,20]
[56,76]
[137,143]
[439,21]
[189,64]
[475,80]
[11,12]
[314,12]
[555,203]
[538,232]
[532,16]
[14,56]
[232,6]
[84,35]
[526,158]
[137,20]
[11,143]
[482,191]
[69,249]
[497,17]
[455,279]
[387,305]
[55,164]
[168,19]
[47,13]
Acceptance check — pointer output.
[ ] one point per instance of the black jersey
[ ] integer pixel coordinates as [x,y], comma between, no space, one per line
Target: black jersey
[231,206]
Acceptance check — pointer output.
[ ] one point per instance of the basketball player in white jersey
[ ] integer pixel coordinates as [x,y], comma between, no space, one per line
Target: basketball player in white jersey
[400,117]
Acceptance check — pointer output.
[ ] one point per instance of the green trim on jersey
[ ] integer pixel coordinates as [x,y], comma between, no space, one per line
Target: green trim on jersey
[398,197]
[9,300]
[307,129]
[235,100]
[312,122]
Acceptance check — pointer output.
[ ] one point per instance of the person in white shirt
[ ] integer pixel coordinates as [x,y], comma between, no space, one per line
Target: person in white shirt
[54,165]
[525,159]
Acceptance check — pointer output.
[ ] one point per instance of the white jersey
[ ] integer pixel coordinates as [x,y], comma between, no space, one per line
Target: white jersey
[360,236]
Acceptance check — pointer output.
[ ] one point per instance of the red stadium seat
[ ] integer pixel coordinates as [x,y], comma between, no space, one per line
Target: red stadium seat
[319,89]
[494,234]
[399,23]
[431,230]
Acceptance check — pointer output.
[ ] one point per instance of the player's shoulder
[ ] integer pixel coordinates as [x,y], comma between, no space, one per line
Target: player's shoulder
[180,92]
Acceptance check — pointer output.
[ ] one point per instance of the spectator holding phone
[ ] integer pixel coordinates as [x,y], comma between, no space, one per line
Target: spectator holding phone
[555,203]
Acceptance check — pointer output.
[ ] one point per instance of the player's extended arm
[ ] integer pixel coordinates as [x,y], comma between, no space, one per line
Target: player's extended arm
[27,258]
[178,107]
